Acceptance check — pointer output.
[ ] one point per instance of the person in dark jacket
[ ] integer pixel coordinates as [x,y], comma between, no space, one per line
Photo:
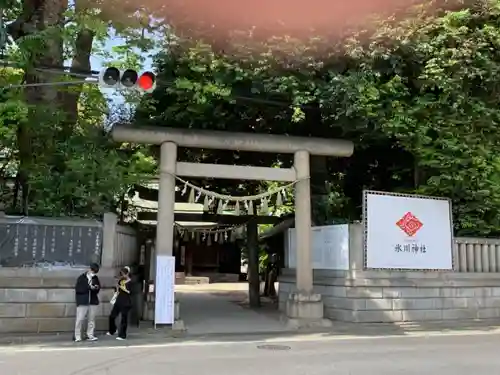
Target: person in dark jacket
[121,306]
[87,301]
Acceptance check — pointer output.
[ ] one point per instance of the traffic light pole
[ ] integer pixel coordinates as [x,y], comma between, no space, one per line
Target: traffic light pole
[65,83]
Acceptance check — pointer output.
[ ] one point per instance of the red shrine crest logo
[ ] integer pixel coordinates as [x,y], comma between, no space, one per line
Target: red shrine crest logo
[409,224]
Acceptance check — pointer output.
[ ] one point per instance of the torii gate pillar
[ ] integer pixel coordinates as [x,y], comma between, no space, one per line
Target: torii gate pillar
[303,223]
[303,307]
[166,199]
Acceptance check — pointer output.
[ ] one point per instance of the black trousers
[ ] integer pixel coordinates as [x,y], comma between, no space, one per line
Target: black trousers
[123,311]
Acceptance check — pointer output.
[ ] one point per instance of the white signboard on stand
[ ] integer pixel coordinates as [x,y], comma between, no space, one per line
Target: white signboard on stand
[407,232]
[330,247]
[165,290]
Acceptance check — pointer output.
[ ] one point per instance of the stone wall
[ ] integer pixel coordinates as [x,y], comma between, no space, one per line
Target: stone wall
[42,300]
[35,241]
[391,296]
[360,295]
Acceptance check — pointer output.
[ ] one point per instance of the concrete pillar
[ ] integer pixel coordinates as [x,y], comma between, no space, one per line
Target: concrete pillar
[166,200]
[304,308]
[303,223]
[356,247]
[253,264]
[109,223]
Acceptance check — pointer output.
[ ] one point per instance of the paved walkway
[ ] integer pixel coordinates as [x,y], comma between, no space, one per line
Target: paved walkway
[221,309]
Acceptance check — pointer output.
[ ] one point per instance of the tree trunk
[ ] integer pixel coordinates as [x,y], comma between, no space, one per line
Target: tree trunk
[15,195]
[47,16]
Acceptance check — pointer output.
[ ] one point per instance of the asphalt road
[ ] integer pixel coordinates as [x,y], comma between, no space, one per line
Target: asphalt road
[440,355]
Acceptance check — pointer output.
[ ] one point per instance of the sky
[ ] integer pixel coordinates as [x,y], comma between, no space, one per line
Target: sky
[96,63]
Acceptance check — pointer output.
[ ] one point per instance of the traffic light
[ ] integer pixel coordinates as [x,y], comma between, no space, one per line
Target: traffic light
[128,79]
[109,77]
[147,82]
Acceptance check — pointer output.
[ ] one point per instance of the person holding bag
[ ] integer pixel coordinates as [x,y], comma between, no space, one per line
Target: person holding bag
[122,304]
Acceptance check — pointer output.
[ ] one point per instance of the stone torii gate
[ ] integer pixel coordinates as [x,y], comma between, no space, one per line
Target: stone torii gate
[303,307]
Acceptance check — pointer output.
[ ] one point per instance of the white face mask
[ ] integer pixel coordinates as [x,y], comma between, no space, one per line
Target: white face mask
[91,274]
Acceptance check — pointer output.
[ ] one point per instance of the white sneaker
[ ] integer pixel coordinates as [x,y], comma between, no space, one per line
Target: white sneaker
[109,334]
[120,338]
[78,340]
[92,338]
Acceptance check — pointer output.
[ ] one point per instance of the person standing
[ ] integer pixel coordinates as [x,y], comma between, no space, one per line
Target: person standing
[121,306]
[87,301]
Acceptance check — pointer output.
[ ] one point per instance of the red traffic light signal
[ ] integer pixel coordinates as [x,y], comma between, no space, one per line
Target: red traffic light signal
[147,82]
[128,79]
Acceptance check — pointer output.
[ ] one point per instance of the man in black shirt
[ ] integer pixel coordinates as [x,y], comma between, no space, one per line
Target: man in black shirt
[87,301]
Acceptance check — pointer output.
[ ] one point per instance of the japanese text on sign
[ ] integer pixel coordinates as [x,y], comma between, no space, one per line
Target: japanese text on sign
[410,248]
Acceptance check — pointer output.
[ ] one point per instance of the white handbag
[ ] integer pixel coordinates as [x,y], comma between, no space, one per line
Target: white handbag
[113,299]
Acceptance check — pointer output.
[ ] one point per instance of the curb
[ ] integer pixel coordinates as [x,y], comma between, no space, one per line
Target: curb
[165,336]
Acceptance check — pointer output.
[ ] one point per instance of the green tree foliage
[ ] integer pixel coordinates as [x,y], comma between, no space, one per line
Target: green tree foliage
[433,89]
[13,111]
[57,157]
[419,98]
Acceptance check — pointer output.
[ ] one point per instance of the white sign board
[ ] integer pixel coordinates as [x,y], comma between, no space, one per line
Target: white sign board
[165,290]
[407,232]
[330,247]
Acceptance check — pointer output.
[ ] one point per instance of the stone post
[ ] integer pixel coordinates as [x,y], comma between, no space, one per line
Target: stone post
[166,200]
[109,223]
[356,247]
[304,308]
